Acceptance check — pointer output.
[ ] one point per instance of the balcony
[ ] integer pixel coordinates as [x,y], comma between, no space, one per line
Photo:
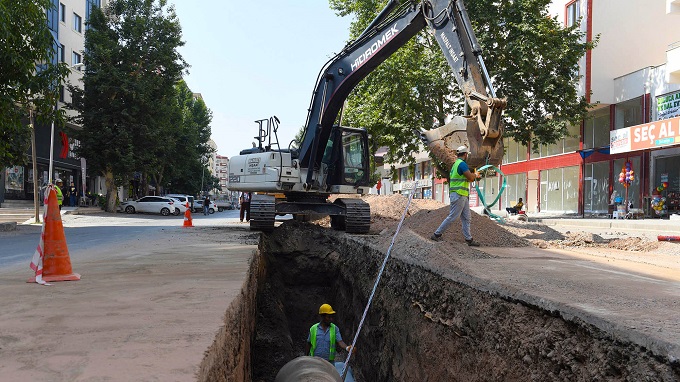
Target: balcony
[673,62]
[673,7]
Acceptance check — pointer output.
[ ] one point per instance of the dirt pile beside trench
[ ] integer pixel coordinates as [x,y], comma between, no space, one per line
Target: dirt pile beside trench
[425,215]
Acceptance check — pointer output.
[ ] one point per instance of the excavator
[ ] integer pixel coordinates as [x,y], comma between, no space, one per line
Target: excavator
[334,159]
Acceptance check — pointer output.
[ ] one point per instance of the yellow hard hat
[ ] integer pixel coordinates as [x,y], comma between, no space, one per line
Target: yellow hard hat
[326,309]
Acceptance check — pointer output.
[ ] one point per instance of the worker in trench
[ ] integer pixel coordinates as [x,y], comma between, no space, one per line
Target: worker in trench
[459,192]
[324,337]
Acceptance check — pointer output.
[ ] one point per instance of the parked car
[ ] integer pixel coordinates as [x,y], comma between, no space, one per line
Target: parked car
[150,204]
[224,204]
[180,207]
[198,206]
[182,198]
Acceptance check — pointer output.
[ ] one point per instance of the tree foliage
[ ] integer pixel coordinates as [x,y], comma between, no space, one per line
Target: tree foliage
[532,58]
[128,107]
[188,161]
[29,78]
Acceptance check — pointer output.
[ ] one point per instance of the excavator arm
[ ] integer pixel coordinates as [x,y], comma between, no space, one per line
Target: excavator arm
[399,21]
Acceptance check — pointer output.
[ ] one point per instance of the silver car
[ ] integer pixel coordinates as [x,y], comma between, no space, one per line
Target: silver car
[149,204]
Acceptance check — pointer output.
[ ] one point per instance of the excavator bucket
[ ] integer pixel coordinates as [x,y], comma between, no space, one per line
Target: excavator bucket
[443,142]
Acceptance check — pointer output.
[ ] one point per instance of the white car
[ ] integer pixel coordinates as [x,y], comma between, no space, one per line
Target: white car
[151,204]
[180,207]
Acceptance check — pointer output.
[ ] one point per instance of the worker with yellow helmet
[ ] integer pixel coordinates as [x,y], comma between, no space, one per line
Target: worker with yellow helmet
[324,336]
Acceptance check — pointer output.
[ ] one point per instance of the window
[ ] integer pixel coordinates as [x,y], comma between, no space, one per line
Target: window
[62,53]
[61,93]
[515,188]
[568,144]
[596,187]
[514,152]
[573,13]
[76,59]
[62,12]
[77,23]
[628,113]
[596,129]
[559,189]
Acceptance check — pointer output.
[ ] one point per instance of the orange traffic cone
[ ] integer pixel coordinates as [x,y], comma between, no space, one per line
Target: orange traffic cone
[51,261]
[188,222]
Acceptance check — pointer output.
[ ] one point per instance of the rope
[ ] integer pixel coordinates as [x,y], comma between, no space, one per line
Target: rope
[500,192]
[377,281]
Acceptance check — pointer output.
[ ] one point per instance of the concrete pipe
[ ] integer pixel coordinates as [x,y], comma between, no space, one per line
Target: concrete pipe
[308,369]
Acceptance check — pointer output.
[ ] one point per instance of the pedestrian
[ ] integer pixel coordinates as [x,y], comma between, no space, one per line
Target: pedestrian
[244,199]
[378,186]
[459,192]
[516,208]
[206,205]
[324,336]
[72,195]
[60,195]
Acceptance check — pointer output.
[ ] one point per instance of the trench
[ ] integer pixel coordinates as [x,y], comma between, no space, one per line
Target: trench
[422,325]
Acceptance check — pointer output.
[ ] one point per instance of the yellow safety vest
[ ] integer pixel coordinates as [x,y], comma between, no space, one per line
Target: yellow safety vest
[458,183]
[60,196]
[312,340]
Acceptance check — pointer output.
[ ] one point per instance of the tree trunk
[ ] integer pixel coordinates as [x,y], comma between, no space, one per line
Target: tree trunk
[111,191]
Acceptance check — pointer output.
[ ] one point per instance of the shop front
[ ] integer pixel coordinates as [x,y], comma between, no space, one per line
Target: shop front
[19,180]
[657,191]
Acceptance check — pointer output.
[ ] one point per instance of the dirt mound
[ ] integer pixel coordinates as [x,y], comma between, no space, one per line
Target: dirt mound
[633,244]
[425,215]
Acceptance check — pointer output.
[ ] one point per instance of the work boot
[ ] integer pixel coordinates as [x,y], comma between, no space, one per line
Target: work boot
[436,237]
[472,243]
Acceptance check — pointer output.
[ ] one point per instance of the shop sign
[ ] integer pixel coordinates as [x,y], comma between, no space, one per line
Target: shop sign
[668,106]
[646,136]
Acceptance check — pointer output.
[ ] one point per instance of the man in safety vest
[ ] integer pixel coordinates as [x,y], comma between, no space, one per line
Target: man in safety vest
[60,195]
[324,336]
[459,192]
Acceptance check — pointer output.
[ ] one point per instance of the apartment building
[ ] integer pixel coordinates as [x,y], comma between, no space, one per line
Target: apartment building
[67,22]
[632,80]
[221,171]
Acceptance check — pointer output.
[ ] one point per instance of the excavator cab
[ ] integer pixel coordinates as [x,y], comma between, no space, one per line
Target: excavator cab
[347,157]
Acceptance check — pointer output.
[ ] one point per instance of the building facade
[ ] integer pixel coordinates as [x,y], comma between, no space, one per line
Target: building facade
[632,81]
[221,171]
[67,22]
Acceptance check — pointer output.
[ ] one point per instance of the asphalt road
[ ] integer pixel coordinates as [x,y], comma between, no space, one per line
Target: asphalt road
[99,229]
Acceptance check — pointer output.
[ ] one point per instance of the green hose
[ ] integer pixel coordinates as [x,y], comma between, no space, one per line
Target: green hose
[500,192]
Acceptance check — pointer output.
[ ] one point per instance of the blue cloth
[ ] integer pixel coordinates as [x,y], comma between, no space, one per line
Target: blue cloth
[459,207]
[462,168]
[323,341]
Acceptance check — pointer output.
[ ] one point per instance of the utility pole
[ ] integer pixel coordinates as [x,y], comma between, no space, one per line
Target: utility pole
[36,186]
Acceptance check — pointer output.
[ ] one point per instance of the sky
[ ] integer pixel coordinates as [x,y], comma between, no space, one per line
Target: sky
[252,60]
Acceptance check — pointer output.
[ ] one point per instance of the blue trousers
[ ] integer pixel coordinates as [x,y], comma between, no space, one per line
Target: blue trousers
[459,207]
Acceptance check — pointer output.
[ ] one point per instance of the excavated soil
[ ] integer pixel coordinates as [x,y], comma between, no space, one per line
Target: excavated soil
[428,321]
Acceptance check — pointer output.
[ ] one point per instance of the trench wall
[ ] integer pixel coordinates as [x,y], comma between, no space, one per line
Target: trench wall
[422,326]
[228,358]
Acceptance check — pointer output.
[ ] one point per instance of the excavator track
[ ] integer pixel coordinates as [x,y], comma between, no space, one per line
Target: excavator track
[262,213]
[357,217]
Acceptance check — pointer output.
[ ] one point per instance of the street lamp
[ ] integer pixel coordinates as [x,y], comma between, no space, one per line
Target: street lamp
[56,108]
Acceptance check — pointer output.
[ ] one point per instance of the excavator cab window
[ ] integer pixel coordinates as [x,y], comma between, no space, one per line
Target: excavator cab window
[355,158]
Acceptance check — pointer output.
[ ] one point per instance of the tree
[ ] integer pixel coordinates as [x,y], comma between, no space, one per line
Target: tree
[29,77]
[532,58]
[127,106]
[189,158]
